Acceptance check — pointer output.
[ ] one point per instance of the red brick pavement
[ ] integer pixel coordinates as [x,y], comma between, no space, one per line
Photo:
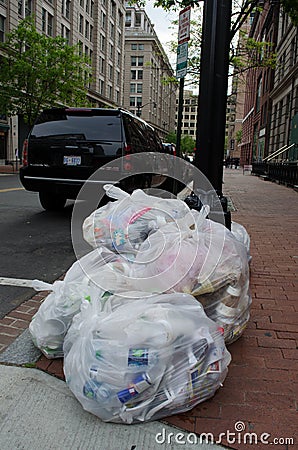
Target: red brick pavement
[261,387]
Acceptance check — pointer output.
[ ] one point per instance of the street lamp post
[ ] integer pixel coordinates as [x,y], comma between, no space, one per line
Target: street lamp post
[213,93]
[142,106]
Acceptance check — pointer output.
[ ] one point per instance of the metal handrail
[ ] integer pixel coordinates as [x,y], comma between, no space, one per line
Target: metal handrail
[276,152]
[279,153]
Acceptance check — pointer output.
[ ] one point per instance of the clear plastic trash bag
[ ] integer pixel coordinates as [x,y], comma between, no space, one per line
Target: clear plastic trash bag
[100,268]
[133,360]
[122,225]
[241,234]
[201,257]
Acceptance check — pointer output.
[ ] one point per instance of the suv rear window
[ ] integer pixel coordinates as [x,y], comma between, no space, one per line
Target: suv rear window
[79,126]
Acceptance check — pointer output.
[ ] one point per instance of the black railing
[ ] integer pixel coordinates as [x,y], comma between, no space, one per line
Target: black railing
[285,173]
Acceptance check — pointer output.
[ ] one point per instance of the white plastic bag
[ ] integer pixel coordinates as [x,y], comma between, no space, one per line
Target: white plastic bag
[103,270]
[143,359]
[124,224]
[241,234]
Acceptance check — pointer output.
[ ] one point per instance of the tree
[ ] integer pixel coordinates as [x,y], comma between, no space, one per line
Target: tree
[247,6]
[39,71]
[187,144]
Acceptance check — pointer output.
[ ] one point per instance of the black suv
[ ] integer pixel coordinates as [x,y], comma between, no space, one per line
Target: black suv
[66,145]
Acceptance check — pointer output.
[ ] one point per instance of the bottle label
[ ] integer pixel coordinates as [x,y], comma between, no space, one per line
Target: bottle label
[138,357]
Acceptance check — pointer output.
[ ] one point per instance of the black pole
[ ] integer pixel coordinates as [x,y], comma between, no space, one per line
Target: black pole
[179,118]
[214,70]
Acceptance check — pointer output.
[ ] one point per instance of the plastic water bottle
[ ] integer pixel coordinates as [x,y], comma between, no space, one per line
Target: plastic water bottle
[95,390]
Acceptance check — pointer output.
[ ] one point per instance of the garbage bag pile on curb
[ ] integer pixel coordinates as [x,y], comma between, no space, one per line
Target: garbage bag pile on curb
[142,359]
[143,320]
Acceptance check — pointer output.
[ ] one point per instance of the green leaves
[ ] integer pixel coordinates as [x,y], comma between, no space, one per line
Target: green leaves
[39,71]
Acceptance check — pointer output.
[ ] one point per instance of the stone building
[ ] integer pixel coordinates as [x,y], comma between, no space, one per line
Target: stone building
[148,89]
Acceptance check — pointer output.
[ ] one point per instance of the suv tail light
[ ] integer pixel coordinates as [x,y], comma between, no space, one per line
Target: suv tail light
[127,149]
[25,153]
[127,152]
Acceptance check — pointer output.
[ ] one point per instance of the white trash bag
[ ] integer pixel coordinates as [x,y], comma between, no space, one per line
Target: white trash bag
[100,268]
[136,360]
[241,234]
[124,224]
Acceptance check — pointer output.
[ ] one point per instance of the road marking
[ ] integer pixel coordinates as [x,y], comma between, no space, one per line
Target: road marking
[11,189]
[21,282]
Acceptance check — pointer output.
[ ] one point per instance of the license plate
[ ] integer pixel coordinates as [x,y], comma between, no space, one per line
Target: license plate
[71,160]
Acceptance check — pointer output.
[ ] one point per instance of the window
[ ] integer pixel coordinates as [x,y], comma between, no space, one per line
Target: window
[133,74]
[86,29]
[65,33]
[132,88]
[28,8]
[137,61]
[43,20]
[66,8]
[50,24]
[119,38]
[81,24]
[102,43]
[138,18]
[134,46]
[92,8]
[2,28]
[103,20]
[259,93]
[139,88]
[112,30]
[111,71]
[111,51]
[128,19]
[101,87]
[113,9]
[132,101]
[87,6]
[110,92]
[20,7]
[101,64]
[141,46]
[91,33]
[82,3]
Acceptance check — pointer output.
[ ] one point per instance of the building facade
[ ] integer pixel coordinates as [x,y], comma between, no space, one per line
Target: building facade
[270,118]
[98,26]
[189,113]
[257,120]
[284,95]
[149,91]
[122,46]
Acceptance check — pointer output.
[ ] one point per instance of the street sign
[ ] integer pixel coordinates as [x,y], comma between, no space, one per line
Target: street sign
[182,53]
[184,25]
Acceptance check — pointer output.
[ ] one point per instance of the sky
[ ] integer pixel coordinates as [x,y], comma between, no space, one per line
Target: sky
[162,21]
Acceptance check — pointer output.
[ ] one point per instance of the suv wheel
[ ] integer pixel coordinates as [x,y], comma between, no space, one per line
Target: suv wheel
[51,202]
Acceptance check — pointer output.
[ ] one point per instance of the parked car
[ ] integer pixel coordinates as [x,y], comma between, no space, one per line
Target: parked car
[169,148]
[67,145]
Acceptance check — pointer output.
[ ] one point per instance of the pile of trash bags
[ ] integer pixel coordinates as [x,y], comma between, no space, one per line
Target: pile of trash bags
[140,359]
[144,318]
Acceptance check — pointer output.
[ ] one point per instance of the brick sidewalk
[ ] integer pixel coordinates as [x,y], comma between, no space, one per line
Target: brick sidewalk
[261,387]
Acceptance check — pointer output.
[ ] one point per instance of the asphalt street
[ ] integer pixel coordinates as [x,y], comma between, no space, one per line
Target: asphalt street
[35,244]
